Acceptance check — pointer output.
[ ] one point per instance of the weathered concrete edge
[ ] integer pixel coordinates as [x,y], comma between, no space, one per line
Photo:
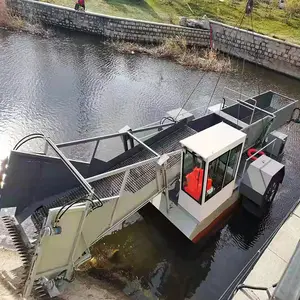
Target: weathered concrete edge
[266,37]
[257,48]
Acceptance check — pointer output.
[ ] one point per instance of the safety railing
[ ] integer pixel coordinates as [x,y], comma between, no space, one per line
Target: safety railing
[143,144]
[255,107]
[158,125]
[246,104]
[84,183]
[237,93]
[199,108]
[110,136]
[257,152]
[239,102]
[118,213]
[129,167]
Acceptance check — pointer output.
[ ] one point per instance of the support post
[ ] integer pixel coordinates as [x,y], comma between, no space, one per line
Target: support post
[162,163]
[120,195]
[71,263]
[95,150]
[46,148]
[124,136]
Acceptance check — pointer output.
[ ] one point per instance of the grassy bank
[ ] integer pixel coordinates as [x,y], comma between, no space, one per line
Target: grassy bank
[267,19]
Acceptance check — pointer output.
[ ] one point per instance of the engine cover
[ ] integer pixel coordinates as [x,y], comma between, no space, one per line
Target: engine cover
[261,181]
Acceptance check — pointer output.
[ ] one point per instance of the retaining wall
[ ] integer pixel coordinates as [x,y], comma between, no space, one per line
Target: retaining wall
[271,53]
[107,26]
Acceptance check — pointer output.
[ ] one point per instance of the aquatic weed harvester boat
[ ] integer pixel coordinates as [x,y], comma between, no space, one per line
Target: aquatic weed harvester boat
[192,169]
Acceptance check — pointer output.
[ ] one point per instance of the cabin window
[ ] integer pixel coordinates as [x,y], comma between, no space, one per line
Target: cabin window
[233,161]
[216,175]
[192,175]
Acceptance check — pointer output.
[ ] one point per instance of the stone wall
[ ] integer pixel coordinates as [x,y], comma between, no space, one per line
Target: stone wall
[107,26]
[271,53]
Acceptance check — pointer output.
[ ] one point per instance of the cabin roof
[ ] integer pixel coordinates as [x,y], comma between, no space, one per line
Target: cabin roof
[214,140]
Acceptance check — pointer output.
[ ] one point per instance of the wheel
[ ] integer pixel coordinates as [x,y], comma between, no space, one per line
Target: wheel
[271,192]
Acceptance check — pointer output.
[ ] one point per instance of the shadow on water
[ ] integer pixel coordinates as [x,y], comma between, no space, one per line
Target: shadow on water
[246,228]
[180,265]
[156,261]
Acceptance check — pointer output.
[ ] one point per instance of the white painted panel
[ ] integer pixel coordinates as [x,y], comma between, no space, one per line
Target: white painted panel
[200,212]
[218,199]
[190,205]
[215,214]
[98,221]
[185,222]
[56,249]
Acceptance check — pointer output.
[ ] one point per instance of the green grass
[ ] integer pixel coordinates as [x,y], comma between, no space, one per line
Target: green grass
[266,19]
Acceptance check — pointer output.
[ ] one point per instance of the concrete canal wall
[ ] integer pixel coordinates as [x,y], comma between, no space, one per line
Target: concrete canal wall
[107,26]
[271,53]
[268,52]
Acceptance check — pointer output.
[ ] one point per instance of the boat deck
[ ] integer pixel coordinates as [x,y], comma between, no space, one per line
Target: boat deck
[184,221]
[273,262]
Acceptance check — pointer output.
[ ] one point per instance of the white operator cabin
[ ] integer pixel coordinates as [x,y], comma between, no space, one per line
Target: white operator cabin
[210,161]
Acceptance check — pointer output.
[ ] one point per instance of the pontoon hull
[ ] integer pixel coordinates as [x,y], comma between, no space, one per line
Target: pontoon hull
[190,227]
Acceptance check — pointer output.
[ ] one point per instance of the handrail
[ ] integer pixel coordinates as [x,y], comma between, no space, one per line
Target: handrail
[108,136]
[236,92]
[245,165]
[106,199]
[239,103]
[247,103]
[284,96]
[252,107]
[67,163]
[258,108]
[143,144]
[129,167]
[252,115]
[122,169]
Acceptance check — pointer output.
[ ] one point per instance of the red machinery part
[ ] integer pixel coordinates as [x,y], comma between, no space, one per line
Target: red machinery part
[251,151]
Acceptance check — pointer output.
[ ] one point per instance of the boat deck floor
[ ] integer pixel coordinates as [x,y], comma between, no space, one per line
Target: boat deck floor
[176,214]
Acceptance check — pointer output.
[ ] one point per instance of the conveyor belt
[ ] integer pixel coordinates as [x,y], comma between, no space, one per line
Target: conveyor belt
[110,186]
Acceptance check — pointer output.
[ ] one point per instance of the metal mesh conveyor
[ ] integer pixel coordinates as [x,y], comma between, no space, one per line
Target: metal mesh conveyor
[131,181]
[110,186]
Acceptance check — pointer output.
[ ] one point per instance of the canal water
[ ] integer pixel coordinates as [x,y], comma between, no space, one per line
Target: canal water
[73,86]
